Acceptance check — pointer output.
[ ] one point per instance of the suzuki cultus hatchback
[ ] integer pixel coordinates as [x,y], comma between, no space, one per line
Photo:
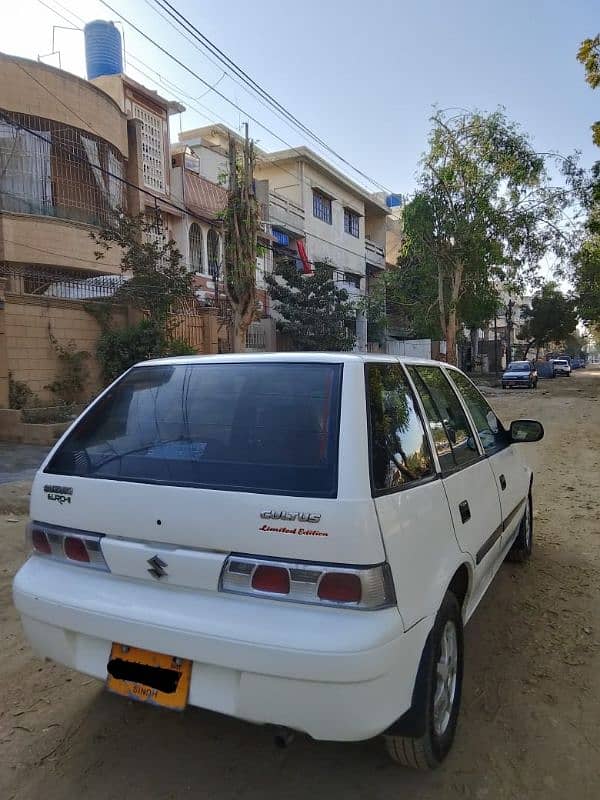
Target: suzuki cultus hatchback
[295,540]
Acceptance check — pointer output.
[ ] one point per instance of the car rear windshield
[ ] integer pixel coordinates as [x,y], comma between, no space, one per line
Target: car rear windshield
[254,427]
[519,366]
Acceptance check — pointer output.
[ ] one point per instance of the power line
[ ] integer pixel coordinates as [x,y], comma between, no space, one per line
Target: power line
[257,88]
[202,80]
[168,83]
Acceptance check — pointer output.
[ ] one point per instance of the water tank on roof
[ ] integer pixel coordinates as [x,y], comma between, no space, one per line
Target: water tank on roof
[103,50]
[394,200]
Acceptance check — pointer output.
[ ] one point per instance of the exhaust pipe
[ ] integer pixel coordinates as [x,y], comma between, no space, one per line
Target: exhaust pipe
[283,737]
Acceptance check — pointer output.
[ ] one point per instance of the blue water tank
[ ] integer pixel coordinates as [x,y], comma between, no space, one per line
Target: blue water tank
[394,200]
[103,50]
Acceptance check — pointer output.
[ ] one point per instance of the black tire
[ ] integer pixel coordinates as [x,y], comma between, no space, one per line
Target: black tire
[427,752]
[523,544]
[504,386]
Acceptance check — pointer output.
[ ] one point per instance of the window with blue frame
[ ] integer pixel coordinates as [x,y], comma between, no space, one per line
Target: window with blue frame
[351,222]
[321,206]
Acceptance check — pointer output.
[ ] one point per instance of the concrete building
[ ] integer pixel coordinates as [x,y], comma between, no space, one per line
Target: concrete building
[55,131]
[312,211]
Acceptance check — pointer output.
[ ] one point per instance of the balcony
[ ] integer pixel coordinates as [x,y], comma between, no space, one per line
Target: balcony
[285,214]
[374,254]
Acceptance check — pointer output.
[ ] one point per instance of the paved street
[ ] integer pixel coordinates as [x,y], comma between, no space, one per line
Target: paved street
[531,697]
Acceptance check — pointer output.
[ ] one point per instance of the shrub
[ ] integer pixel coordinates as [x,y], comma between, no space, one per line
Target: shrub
[117,350]
[19,393]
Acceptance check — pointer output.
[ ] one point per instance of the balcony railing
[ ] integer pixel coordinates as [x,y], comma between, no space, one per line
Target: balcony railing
[286,214]
[375,254]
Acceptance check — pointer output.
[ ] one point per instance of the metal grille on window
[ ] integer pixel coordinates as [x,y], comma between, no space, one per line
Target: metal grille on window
[153,148]
[56,170]
[351,223]
[322,207]
[195,243]
[213,246]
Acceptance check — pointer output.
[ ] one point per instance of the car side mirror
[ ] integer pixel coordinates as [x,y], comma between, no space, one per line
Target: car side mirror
[526,430]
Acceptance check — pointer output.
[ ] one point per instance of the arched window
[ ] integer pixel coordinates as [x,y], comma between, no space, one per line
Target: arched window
[195,240]
[213,246]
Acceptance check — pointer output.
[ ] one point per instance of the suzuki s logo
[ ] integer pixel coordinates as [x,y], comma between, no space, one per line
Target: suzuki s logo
[291,516]
[157,567]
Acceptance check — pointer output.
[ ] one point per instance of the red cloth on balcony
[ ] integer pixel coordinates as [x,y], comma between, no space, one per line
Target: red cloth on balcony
[306,265]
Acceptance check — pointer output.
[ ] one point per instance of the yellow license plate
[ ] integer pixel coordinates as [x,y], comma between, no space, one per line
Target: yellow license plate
[149,677]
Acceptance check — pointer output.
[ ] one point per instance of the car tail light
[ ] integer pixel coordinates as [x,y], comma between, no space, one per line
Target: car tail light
[65,544]
[365,588]
[40,543]
[75,549]
[271,579]
[340,587]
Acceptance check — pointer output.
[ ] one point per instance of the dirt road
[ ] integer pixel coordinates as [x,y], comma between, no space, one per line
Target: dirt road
[531,709]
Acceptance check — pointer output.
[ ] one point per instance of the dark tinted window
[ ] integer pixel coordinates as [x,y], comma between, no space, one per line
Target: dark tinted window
[519,366]
[489,427]
[399,450]
[248,427]
[450,429]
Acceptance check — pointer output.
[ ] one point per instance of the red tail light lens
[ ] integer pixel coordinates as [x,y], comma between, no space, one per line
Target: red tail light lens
[40,542]
[76,550]
[271,579]
[340,587]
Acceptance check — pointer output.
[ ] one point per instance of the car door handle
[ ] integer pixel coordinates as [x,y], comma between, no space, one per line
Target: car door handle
[502,480]
[465,511]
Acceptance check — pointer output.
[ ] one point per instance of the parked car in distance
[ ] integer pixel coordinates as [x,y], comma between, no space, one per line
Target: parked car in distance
[291,539]
[561,366]
[521,374]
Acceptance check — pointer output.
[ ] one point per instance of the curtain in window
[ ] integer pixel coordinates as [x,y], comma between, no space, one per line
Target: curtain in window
[91,149]
[115,184]
[25,173]
[195,242]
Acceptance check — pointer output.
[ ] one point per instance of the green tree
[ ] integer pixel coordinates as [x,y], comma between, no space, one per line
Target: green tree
[586,263]
[242,219]
[315,313]
[157,278]
[589,55]
[550,319]
[484,210]
[156,282]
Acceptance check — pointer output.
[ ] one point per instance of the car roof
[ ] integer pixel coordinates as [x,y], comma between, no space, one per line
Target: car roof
[310,357]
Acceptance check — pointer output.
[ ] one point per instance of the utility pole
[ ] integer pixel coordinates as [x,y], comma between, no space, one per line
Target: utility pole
[509,327]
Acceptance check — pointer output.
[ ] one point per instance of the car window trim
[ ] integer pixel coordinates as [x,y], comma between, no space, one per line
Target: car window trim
[435,475]
[496,448]
[444,473]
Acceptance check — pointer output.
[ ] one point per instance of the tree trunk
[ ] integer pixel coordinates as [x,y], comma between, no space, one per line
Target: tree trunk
[474,347]
[451,338]
[238,334]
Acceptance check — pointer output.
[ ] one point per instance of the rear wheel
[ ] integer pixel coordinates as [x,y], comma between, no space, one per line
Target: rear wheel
[523,544]
[440,678]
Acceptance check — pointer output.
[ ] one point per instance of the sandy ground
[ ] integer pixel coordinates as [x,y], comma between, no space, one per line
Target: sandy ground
[531,707]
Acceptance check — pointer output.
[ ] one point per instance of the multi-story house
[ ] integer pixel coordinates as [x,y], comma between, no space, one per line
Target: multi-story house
[312,211]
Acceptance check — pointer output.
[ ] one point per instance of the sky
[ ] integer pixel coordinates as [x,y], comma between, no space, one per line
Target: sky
[363,76]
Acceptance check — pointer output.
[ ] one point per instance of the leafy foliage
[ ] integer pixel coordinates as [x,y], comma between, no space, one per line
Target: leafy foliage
[74,373]
[242,219]
[485,210]
[19,393]
[158,278]
[118,350]
[589,55]
[551,319]
[316,314]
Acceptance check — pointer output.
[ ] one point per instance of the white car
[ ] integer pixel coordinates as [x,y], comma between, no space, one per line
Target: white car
[561,366]
[294,540]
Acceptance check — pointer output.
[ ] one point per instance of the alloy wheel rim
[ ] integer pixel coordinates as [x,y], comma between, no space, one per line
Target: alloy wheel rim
[445,687]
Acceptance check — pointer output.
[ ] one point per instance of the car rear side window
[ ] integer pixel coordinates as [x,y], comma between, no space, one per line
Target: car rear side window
[399,449]
[256,427]
[450,429]
[492,434]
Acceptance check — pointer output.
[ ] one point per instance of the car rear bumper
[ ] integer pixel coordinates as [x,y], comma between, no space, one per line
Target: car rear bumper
[335,674]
